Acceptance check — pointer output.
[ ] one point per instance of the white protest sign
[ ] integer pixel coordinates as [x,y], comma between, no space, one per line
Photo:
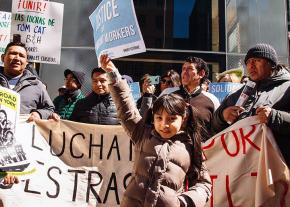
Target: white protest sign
[116,29]
[5,26]
[9,115]
[39,23]
[14,156]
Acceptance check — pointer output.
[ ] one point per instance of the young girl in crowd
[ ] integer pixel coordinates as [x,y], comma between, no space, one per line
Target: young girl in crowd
[168,169]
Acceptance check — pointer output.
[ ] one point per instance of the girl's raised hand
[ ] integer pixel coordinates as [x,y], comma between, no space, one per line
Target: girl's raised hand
[106,64]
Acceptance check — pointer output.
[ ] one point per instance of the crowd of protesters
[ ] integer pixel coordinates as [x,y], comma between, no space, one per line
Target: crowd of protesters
[269,101]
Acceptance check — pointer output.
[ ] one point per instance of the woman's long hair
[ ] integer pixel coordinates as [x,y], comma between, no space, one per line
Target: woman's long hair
[175,105]
[174,78]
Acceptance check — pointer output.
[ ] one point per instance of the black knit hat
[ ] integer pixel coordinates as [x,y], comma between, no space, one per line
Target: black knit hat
[262,50]
[80,76]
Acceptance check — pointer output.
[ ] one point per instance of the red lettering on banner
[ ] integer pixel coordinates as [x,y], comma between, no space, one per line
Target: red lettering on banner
[3,37]
[209,145]
[240,138]
[284,190]
[226,147]
[212,177]
[230,202]
[229,196]
[254,174]
[246,138]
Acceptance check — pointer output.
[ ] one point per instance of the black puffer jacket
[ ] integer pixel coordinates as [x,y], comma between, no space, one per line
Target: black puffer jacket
[95,109]
[273,92]
[34,96]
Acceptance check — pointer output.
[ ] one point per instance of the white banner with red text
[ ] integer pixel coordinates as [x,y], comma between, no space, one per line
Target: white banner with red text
[90,165]
[246,167]
[76,165]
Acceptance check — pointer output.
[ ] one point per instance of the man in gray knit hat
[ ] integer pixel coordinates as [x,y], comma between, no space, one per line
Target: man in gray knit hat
[269,100]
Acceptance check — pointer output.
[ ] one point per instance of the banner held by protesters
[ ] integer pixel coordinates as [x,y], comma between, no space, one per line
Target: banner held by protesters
[90,165]
[77,164]
[246,167]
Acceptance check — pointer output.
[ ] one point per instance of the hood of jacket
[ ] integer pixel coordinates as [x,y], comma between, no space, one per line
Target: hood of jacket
[27,75]
[277,78]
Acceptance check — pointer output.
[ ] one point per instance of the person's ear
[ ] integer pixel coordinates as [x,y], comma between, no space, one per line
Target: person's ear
[2,58]
[201,73]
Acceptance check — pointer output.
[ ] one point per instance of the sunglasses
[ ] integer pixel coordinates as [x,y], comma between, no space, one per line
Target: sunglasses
[164,81]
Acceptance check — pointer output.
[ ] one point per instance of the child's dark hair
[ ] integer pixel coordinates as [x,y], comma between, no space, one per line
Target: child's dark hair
[175,105]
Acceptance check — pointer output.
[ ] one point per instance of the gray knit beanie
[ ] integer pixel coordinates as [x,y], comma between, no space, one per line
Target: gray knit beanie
[262,50]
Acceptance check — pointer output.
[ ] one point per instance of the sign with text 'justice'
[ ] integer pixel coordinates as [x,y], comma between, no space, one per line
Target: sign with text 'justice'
[116,29]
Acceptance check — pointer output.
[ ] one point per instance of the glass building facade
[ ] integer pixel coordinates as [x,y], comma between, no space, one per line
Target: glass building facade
[219,31]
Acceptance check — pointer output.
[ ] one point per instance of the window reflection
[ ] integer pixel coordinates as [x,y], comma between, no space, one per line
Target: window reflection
[186,24]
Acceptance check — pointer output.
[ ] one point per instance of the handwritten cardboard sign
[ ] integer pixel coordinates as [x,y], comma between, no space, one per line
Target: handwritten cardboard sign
[5,27]
[39,23]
